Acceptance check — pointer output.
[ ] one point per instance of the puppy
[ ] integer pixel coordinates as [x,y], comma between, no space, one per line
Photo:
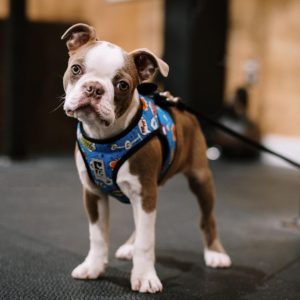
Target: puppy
[126,147]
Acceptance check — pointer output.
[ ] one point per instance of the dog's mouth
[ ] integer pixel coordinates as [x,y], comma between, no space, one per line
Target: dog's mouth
[87,111]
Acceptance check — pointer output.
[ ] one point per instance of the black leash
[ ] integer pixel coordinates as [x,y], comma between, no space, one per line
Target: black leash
[150,89]
[237,135]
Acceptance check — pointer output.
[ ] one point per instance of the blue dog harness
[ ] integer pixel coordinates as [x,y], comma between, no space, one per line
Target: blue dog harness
[103,158]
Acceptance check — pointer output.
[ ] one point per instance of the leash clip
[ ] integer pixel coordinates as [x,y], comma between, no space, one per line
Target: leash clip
[169,97]
[166,99]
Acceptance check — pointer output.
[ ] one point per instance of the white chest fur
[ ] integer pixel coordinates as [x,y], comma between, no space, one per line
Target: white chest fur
[83,174]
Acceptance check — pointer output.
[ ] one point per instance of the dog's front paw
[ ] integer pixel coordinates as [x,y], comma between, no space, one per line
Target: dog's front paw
[146,283]
[125,252]
[216,259]
[88,270]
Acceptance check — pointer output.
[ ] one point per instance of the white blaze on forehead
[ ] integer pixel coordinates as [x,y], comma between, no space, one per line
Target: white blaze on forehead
[104,60]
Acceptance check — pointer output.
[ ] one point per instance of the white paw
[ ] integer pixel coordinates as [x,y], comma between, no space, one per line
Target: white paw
[215,259]
[125,252]
[88,270]
[146,283]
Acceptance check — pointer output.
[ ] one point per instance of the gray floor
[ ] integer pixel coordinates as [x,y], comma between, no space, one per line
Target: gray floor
[43,235]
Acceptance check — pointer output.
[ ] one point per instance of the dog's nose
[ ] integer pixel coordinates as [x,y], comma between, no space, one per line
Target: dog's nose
[93,89]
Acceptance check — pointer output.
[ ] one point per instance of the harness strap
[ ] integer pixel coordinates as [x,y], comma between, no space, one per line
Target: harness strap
[103,158]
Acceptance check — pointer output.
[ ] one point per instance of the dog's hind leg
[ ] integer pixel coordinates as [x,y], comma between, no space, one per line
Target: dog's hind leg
[125,251]
[201,184]
[97,258]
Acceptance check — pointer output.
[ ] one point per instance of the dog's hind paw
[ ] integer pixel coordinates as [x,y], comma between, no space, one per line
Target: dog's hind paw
[125,252]
[214,259]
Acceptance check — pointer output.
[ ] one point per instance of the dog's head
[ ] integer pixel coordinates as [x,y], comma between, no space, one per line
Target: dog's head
[101,78]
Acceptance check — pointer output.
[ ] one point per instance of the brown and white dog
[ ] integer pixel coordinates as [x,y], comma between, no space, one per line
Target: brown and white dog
[100,84]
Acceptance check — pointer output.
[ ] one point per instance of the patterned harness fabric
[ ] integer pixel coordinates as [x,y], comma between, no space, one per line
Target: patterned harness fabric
[103,158]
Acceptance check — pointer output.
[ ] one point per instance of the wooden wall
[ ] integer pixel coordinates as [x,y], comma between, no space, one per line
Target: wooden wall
[131,24]
[3,9]
[268,31]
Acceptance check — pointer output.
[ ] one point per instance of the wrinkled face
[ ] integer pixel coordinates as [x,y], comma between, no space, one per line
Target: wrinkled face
[99,82]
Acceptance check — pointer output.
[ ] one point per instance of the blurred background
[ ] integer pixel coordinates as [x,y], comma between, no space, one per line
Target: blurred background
[235,61]
[214,48]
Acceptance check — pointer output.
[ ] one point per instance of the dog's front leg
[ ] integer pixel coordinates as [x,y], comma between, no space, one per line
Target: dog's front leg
[94,264]
[143,276]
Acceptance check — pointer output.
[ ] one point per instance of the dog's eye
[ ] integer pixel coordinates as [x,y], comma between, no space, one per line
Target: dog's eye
[76,70]
[123,86]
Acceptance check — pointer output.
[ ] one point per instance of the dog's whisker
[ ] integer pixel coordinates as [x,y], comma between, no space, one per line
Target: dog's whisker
[61,98]
[59,106]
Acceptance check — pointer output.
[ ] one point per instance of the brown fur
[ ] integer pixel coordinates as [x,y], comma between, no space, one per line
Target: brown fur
[130,75]
[89,199]
[186,135]
[90,204]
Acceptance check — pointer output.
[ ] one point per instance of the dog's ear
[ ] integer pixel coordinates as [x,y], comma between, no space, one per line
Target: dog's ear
[147,63]
[78,35]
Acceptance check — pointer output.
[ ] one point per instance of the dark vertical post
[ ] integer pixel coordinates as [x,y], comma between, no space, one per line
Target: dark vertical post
[195,44]
[15,77]
[177,50]
[209,20]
